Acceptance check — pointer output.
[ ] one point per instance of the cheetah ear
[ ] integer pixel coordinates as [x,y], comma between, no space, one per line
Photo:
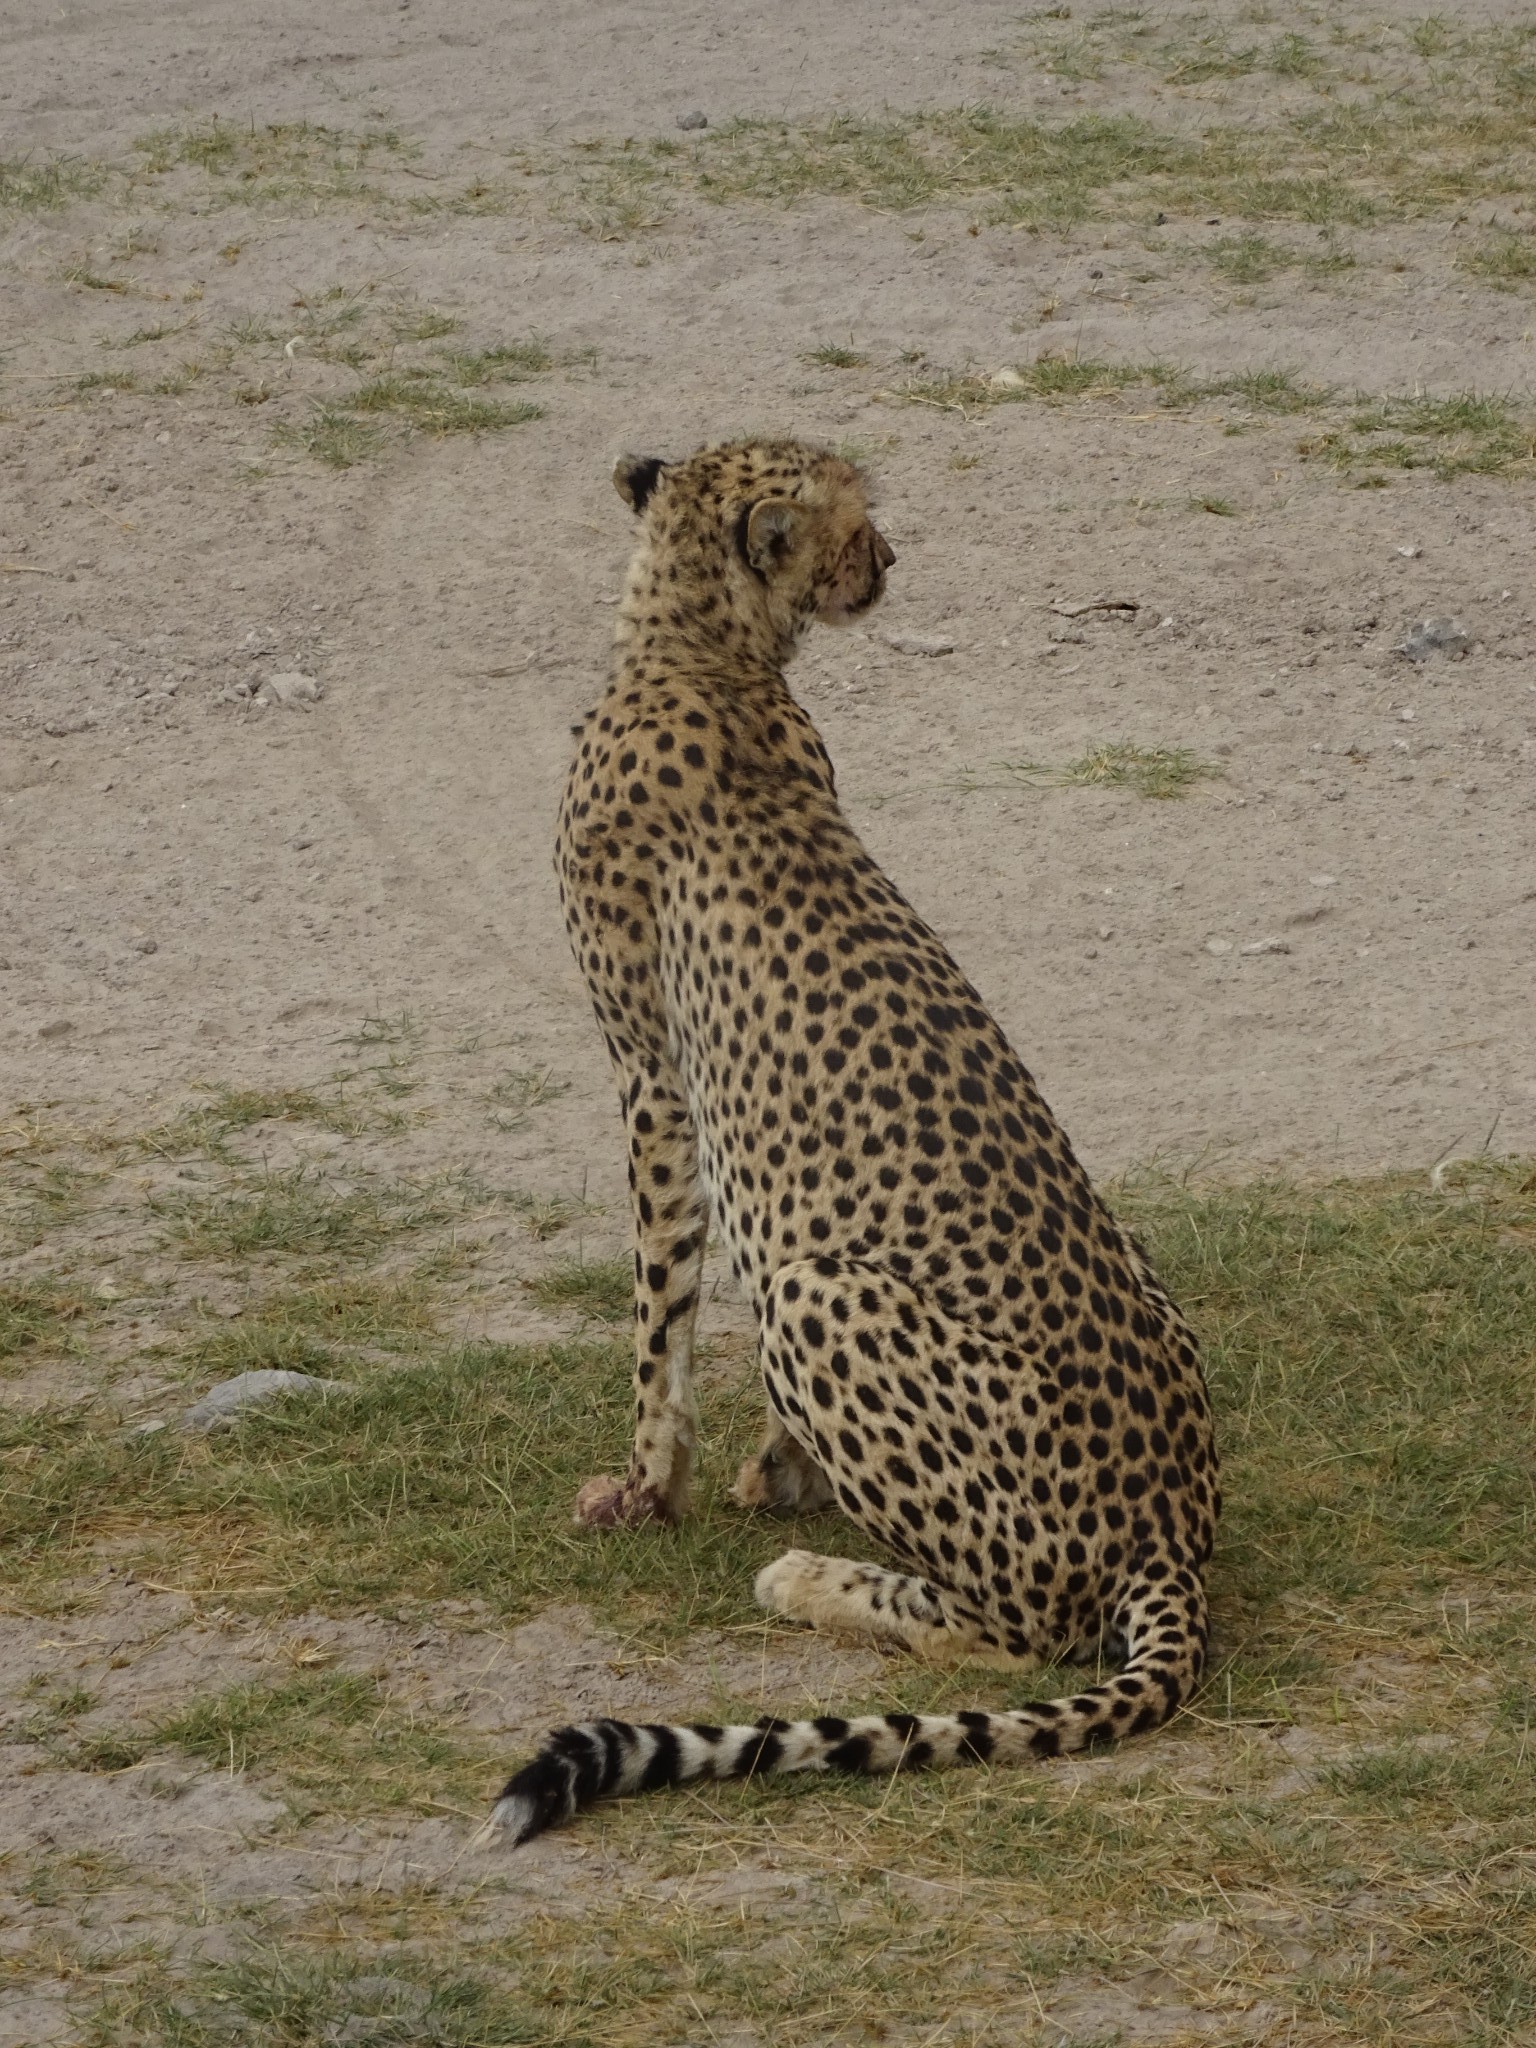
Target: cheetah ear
[772,533]
[635,477]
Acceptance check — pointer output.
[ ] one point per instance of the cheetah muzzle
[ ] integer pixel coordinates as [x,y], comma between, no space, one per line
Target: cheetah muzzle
[959,1345]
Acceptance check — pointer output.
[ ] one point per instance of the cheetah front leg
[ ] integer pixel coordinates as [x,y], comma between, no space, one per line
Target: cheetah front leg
[671,1223]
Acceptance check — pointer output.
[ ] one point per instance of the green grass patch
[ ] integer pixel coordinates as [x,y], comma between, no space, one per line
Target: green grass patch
[339,1741]
[331,435]
[1058,379]
[1371,1348]
[453,1476]
[332,1742]
[41,184]
[299,1212]
[59,1880]
[281,1996]
[1373,1351]
[1324,164]
[307,160]
[1270,390]
[603,1289]
[437,395]
[1464,434]
[430,405]
[314,1328]
[207,1126]
[1249,259]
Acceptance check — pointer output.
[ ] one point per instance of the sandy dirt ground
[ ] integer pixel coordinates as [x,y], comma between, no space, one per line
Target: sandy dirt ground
[1318,960]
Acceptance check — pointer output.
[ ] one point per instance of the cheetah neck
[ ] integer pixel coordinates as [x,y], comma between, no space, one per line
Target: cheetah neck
[713,620]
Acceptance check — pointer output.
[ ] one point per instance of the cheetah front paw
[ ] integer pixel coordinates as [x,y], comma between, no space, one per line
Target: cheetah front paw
[607,1503]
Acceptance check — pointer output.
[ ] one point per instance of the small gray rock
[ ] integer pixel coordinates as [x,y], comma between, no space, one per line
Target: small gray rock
[294,690]
[920,643]
[145,945]
[59,1028]
[693,120]
[1267,946]
[1218,946]
[1434,636]
[225,1403]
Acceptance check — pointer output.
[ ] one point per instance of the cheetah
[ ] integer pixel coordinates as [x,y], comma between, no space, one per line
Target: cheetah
[959,1346]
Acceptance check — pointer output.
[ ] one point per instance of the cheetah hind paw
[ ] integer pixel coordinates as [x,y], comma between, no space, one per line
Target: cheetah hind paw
[794,1585]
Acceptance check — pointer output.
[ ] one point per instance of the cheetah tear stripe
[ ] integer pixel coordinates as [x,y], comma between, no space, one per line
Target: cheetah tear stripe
[610,1759]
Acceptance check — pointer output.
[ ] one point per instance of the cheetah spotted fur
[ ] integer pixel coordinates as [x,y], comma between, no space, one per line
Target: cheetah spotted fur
[959,1346]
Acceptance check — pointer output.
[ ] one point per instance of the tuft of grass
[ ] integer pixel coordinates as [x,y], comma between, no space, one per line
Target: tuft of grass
[602,1290]
[831,356]
[433,407]
[33,184]
[309,1328]
[512,362]
[74,1874]
[1222,508]
[332,435]
[545,1216]
[1160,772]
[1269,391]
[39,1314]
[423,323]
[436,396]
[162,330]
[1050,377]
[90,280]
[1250,258]
[513,1097]
[1503,258]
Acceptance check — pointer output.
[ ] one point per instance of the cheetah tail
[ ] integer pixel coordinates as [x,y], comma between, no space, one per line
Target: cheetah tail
[602,1759]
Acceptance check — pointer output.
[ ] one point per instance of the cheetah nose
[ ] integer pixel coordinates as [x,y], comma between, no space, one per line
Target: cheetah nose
[885,554]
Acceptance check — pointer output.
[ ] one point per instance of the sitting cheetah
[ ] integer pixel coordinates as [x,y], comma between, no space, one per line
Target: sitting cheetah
[959,1345]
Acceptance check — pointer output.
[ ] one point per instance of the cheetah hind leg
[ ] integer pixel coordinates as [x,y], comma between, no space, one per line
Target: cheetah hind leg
[891,1607]
[783,1478]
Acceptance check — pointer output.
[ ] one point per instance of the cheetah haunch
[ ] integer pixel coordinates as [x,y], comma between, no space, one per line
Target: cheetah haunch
[959,1345]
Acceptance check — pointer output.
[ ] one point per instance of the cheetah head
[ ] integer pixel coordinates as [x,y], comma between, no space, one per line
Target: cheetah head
[783,526]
